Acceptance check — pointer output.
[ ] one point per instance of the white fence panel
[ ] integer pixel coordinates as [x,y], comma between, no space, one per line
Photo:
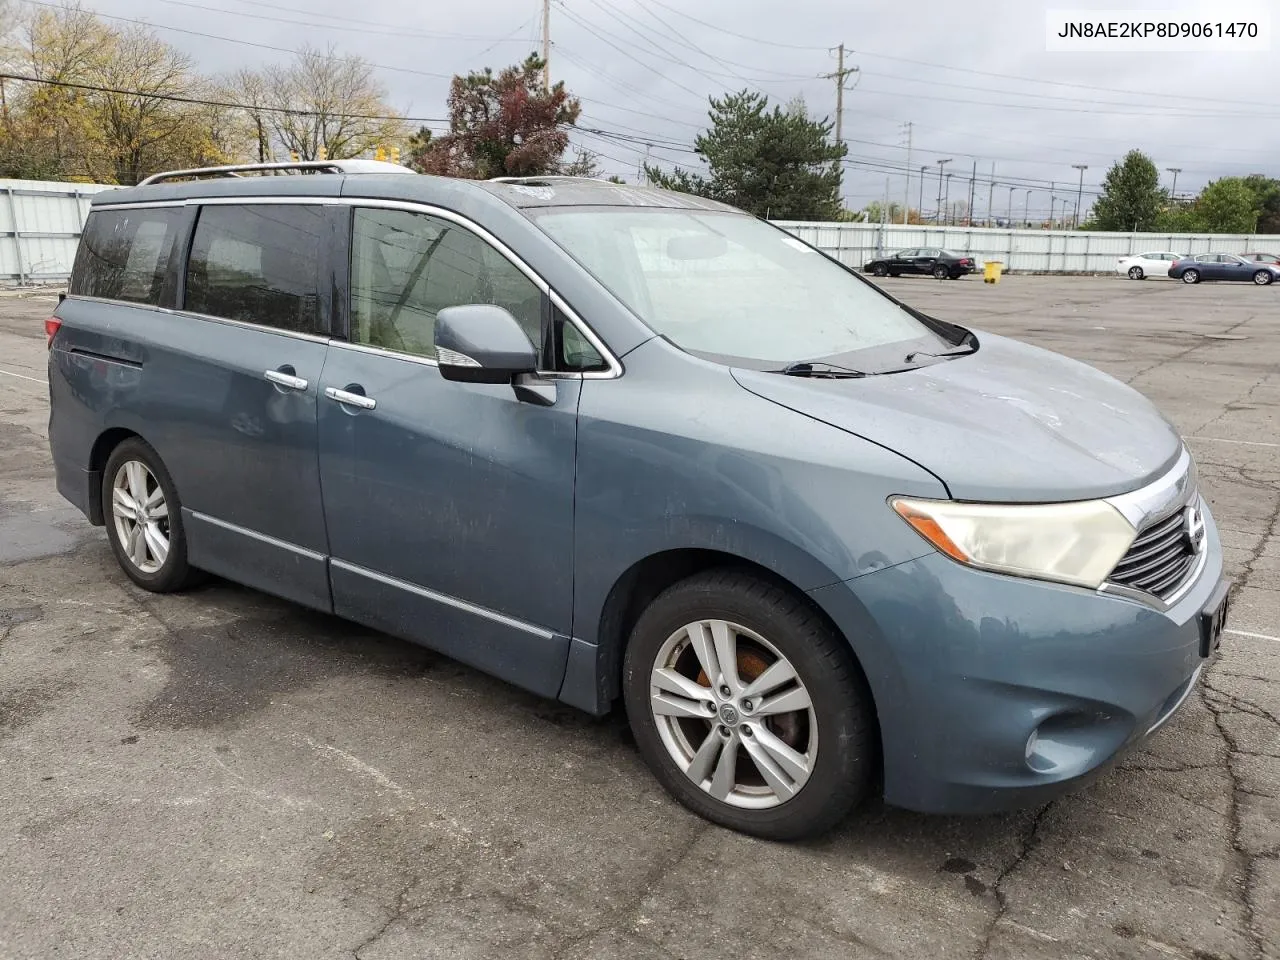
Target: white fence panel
[1032,251]
[40,223]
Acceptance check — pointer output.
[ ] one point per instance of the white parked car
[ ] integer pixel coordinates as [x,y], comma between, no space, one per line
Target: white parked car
[1142,265]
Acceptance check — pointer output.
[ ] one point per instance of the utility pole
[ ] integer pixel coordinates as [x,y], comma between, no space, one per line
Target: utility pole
[906,194]
[991,193]
[1008,216]
[947,200]
[1053,200]
[546,46]
[1026,209]
[941,164]
[1173,192]
[1082,167]
[838,77]
[973,176]
[920,203]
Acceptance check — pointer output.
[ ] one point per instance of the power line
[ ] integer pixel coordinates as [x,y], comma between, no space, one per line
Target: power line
[740,36]
[390,30]
[246,43]
[654,70]
[201,101]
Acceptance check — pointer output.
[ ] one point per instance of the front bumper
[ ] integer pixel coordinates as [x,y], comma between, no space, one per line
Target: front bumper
[997,692]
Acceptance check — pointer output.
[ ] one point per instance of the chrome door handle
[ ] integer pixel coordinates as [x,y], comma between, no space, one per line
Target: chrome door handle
[350,399]
[285,379]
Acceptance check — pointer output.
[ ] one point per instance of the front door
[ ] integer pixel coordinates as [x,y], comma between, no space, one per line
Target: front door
[449,505]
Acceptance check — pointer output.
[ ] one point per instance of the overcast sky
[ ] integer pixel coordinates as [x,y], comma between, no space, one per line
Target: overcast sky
[972,76]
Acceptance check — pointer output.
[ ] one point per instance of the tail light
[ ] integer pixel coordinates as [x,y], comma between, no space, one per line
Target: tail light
[51,327]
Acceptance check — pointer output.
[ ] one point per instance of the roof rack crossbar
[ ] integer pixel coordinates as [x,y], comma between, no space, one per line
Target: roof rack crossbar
[302,166]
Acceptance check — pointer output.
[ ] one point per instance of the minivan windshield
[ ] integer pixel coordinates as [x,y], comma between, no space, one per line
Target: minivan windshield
[736,288]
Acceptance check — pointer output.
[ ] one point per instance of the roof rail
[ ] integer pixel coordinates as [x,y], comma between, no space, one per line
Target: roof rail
[303,166]
[550,176]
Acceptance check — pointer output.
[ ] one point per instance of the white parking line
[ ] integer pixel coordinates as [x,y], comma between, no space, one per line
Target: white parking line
[1252,636]
[1243,443]
[10,373]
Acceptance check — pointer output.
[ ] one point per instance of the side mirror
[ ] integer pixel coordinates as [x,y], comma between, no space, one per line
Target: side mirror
[482,343]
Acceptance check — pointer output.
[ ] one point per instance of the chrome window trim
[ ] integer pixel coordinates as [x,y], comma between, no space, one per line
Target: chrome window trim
[260,537]
[445,599]
[136,205]
[262,327]
[615,368]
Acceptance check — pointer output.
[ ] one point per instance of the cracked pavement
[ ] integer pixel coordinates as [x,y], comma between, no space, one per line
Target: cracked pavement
[222,774]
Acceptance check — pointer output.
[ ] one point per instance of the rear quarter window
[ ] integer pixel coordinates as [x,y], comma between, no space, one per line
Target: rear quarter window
[125,254]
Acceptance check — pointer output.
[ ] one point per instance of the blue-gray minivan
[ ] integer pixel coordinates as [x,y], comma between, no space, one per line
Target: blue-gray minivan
[611,443]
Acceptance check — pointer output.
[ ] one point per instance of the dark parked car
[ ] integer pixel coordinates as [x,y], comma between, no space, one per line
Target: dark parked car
[617,445]
[931,261]
[1223,266]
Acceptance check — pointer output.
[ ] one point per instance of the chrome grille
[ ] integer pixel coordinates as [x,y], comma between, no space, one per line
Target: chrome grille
[1160,560]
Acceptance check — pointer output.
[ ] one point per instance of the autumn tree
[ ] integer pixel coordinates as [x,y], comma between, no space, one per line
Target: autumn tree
[503,125]
[323,101]
[778,163]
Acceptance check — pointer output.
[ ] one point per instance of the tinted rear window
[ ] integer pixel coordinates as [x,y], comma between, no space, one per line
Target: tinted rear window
[258,263]
[124,254]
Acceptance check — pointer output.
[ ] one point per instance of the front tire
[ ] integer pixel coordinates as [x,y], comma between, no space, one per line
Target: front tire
[144,518]
[1135,273]
[1191,276]
[781,744]
[880,270]
[1263,277]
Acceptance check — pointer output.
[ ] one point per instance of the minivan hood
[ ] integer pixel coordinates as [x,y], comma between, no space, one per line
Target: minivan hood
[1011,422]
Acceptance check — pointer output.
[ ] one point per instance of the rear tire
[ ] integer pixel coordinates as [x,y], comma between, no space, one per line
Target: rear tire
[144,518]
[941,272]
[1263,277]
[702,731]
[1135,273]
[1191,276]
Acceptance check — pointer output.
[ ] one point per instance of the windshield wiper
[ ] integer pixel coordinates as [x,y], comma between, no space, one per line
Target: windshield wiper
[805,368]
[970,347]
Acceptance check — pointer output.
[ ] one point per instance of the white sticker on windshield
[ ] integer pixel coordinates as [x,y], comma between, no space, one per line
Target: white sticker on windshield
[795,244]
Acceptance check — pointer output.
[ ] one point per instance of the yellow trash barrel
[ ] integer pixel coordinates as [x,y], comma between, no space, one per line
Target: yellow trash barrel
[991,271]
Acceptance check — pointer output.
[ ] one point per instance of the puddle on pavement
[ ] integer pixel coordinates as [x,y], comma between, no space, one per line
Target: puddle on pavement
[27,534]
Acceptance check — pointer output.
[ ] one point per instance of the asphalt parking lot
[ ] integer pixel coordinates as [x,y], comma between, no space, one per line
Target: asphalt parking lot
[222,774]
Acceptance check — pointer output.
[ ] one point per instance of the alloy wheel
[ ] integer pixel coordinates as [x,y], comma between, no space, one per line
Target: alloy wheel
[141,515]
[733,714]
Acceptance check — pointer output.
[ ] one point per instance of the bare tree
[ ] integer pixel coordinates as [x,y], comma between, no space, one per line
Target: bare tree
[249,88]
[140,127]
[333,103]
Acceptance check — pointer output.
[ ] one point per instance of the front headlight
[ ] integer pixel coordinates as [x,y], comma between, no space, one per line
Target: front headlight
[1078,543]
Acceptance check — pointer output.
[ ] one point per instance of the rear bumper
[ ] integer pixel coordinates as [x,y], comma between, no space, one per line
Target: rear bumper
[995,693]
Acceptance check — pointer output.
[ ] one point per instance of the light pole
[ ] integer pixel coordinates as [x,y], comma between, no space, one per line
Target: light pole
[1082,167]
[1008,217]
[1173,191]
[947,199]
[1026,210]
[920,202]
[941,164]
